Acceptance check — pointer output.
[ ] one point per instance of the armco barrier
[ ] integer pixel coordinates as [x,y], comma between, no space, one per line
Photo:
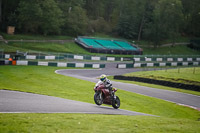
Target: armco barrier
[160,82]
[56,64]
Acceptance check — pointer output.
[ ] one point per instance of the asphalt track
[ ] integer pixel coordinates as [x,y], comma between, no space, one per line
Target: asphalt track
[21,102]
[172,96]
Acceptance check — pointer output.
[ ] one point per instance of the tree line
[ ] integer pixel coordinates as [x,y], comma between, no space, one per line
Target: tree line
[152,20]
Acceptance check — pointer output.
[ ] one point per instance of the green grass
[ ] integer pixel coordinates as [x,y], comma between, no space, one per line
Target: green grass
[34,37]
[85,123]
[180,75]
[44,47]
[55,48]
[44,80]
[176,50]
[180,39]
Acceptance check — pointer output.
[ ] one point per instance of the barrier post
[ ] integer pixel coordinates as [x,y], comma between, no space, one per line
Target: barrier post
[194,70]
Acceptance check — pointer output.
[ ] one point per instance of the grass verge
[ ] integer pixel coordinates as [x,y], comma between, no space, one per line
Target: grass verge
[181,75]
[189,75]
[85,123]
[43,47]
[176,50]
[34,37]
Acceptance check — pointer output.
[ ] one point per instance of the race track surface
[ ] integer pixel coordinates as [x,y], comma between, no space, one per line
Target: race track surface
[172,96]
[21,102]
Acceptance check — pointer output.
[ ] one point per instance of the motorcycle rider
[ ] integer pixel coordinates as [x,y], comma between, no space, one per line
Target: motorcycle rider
[106,82]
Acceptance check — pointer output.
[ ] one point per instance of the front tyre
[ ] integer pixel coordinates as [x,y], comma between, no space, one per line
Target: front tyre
[116,102]
[98,98]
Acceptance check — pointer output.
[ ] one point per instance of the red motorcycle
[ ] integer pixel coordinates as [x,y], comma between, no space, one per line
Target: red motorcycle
[102,95]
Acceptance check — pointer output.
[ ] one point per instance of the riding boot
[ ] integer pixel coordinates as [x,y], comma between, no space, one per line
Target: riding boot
[112,94]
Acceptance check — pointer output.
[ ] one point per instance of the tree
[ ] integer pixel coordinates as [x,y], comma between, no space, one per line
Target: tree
[191,11]
[8,13]
[99,25]
[0,11]
[128,22]
[154,32]
[133,16]
[126,28]
[76,22]
[172,17]
[51,17]
[146,11]
[166,23]
[40,16]
[94,8]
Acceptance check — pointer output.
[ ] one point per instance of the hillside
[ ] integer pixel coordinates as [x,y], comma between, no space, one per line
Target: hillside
[65,44]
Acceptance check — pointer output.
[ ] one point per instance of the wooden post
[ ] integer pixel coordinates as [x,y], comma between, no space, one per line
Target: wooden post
[10,30]
[179,70]
[194,70]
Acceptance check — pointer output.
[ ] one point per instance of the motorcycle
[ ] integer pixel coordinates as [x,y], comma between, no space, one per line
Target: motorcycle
[103,96]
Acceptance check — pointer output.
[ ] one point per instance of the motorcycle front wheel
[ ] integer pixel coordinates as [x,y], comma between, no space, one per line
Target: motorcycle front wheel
[116,102]
[98,99]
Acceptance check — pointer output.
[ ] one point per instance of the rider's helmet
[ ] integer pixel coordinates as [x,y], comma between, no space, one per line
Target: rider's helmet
[103,77]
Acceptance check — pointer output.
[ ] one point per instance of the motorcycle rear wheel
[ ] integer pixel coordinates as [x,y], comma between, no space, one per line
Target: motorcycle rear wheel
[116,102]
[97,98]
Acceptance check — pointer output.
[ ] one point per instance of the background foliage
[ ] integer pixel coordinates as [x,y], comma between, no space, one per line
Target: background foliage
[151,20]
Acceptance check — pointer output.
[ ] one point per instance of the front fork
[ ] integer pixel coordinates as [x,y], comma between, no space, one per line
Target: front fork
[100,95]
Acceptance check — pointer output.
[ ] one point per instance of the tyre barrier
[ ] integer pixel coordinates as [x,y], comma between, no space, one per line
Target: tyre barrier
[160,82]
[2,62]
[56,64]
